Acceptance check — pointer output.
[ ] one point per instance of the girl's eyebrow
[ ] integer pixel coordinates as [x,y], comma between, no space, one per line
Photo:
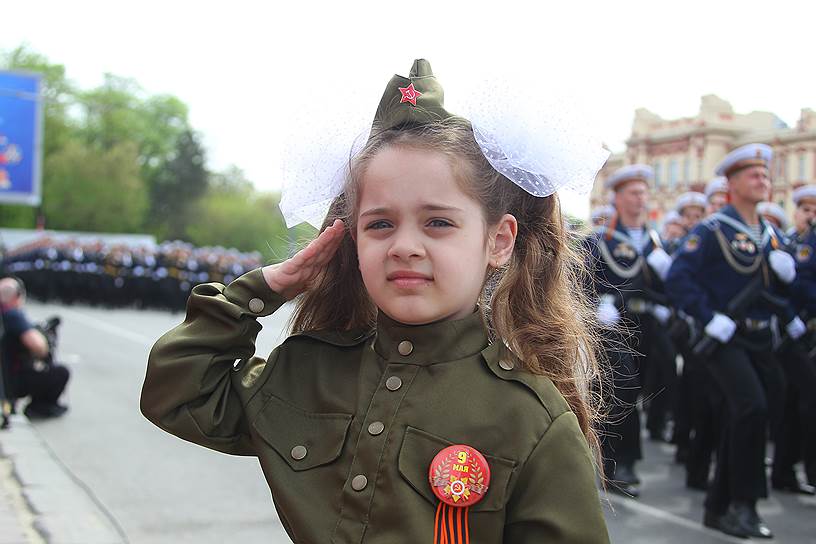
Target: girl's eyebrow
[427,207]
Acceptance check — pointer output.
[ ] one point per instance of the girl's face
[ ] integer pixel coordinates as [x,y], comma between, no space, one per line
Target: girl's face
[422,243]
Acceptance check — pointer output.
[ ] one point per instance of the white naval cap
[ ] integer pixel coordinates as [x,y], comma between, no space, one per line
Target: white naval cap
[599,212]
[745,156]
[631,172]
[691,198]
[775,211]
[805,191]
[716,185]
[672,217]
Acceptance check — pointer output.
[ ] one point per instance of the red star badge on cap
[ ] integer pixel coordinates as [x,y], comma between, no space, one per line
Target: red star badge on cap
[409,94]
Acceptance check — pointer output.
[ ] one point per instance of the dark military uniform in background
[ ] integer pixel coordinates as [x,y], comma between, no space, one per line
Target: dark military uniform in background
[718,260]
[620,272]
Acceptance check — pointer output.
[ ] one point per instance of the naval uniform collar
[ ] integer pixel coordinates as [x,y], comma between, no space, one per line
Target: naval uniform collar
[432,343]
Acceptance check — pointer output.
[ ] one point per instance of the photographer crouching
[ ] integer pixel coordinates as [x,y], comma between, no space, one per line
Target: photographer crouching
[29,369]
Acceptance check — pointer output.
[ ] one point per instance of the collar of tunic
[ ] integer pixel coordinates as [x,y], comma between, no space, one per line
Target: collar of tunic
[438,342]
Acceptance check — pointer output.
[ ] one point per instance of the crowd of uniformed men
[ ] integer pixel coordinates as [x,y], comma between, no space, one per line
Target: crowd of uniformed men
[710,328]
[93,272]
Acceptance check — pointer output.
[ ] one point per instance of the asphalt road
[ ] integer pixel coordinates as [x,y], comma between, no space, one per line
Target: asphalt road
[159,489]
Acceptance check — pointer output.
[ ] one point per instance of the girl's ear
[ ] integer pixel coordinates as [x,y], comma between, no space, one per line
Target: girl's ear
[503,240]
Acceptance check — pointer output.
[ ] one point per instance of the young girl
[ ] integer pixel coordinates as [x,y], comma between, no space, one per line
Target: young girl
[405,408]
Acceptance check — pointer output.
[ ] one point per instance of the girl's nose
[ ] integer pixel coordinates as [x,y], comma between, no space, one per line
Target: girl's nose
[405,245]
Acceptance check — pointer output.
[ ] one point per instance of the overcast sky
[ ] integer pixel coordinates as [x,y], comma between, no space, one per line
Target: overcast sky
[242,66]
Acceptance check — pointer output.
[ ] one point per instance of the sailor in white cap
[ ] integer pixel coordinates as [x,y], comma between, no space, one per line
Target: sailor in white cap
[674,230]
[716,191]
[600,215]
[804,215]
[773,213]
[691,206]
[627,262]
[728,260]
[796,439]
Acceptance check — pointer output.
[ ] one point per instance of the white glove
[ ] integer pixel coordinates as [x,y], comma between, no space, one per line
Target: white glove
[795,328]
[660,262]
[721,327]
[783,264]
[608,314]
[661,313]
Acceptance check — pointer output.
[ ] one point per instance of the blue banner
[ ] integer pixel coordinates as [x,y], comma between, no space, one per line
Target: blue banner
[21,121]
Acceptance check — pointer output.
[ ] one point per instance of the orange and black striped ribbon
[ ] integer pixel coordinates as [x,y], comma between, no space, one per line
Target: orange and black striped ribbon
[451,525]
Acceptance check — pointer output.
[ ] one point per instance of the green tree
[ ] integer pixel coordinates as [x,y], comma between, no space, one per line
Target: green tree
[177,187]
[95,190]
[233,214]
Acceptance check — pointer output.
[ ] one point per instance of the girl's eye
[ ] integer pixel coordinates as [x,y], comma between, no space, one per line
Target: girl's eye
[377,225]
[439,223]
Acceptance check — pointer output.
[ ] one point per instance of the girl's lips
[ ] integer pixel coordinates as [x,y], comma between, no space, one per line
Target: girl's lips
[407,279]
[407,282]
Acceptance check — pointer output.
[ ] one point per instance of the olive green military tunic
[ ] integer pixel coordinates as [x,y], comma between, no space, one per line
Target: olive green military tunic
[345,424]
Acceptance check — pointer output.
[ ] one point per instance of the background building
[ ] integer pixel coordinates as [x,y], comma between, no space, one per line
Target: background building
[685,152]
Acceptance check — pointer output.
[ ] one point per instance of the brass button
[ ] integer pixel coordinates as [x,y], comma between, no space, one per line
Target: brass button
[359,482]
[405,348]
[376,428]
[507,365]
[256,305]
[393,383]
[299,452]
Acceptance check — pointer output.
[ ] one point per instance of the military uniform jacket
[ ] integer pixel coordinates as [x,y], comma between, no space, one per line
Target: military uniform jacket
[804,286]
[618,265]
[346,424]
[715,263]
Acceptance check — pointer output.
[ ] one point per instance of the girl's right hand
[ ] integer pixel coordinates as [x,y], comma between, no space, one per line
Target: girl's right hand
[293,276]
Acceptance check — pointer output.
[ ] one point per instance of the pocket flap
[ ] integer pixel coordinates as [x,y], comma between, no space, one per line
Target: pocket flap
[418,450]
[304,439]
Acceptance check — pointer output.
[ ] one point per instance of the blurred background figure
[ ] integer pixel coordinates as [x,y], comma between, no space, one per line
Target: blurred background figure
[674,230]
[774,214]
[27,356]
[601,215]
[716,192]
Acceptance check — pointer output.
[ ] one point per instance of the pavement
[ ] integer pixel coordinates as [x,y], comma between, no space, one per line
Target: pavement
[103,474]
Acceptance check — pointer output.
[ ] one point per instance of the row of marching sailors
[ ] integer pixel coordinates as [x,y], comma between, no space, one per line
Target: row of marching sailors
[731,293]
[70,271]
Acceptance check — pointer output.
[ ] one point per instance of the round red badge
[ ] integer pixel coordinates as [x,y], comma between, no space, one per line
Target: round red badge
[459,476]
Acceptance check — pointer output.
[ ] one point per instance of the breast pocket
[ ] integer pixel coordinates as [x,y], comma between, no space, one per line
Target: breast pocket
[418,450]
[303,439]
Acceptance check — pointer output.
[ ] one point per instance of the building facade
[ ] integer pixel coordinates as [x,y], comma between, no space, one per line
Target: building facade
[685,152]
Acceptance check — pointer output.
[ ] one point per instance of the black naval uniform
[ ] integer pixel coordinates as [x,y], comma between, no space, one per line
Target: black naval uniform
[619,270]
[719,259]
[796,438]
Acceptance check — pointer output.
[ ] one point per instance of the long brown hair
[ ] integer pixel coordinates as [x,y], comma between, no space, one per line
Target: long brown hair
[536,304]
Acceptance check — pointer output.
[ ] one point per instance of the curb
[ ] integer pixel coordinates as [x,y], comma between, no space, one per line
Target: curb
[55,508]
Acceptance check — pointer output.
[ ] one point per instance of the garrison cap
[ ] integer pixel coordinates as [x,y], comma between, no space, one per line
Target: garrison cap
[414,100]
[745,156]
[631,172]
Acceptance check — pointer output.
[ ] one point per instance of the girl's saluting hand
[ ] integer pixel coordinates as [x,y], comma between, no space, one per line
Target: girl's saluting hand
[291,277]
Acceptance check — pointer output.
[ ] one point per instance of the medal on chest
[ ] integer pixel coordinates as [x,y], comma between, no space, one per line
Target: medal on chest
[459,477]
[624,251]
[743,243]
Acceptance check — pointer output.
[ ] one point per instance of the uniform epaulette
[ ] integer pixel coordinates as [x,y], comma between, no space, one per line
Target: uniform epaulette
[507,366]
[711,223]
